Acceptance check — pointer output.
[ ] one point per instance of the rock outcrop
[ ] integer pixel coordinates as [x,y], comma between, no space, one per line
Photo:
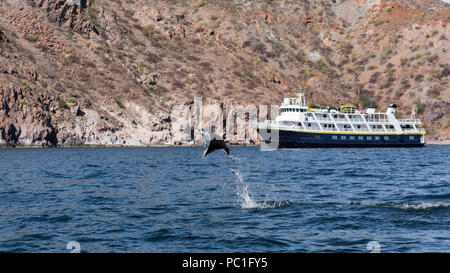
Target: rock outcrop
[25,119]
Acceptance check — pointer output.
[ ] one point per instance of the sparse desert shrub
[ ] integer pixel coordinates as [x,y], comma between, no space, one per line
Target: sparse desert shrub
[119,103]
[166,97]
[31,38]
[152,58]
[415,47]
[376,22]
[307,74]
[205,66]
[247,43]
[129,12]
[93,15]
[278,47]
[152,35]
[177,84]
[367,102]
[171,47]
[436,73]
[420,107]
[434,92]
[73,59]
[346,47]
[390,71]
[387,54]
[202,3]
[248,73]
[447,124]
[388,82]
[259,48]
[104,48]
[403,61]
[63,104]
[374,77]
[432,58]
[280,63]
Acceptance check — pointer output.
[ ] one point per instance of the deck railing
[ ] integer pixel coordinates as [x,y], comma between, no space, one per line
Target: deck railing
[324,119]
[276,125]
[412,130]
[414,121]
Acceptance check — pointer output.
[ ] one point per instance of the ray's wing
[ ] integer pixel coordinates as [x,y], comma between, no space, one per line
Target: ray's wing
[207,137]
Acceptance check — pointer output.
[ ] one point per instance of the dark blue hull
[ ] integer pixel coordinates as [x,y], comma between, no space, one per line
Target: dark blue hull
[292,139]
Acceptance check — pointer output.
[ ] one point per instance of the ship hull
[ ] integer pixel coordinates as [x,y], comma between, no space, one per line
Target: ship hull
[293,139]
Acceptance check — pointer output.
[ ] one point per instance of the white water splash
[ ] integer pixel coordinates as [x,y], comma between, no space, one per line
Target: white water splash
[246,199]
[236,159]
[423,206]
[406,206]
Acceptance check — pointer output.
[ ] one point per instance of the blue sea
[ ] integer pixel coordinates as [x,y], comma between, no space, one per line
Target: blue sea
[173,200]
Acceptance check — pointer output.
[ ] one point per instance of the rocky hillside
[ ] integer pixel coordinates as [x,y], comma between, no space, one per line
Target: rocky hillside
[108,72]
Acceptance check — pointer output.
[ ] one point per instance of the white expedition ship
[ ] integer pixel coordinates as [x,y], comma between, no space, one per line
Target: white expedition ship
[301,126]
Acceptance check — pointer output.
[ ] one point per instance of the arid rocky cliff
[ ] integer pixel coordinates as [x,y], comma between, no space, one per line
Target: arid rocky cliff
[81,72]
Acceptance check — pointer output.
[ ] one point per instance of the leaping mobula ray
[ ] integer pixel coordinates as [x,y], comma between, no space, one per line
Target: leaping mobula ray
[213,142]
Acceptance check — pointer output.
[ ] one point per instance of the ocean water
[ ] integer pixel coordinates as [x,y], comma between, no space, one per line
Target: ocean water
[173,200]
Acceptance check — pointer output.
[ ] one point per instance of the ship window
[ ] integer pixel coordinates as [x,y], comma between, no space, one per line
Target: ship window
[377,138]
[352,137]
[411,137]
[369,138]
[386,138]
[360,138]
[334,137]
[343,137]
[309,124]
